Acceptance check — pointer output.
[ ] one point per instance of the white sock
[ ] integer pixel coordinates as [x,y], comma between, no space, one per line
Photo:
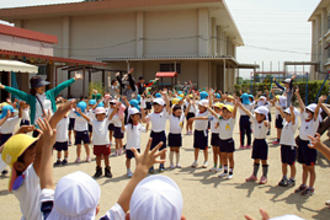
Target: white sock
[177,155]
[171,157]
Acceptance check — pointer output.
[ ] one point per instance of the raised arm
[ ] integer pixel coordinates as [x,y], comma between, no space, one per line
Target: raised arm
[325,109]
[115,111]
[65,84]
[300,101]
[318,145]
[3,120]
[235,109]
[278,85]
[83,115]
[317,110]
[280,110]
[167,102]
[293,115]
[20,94]
[244,109]
[213,112]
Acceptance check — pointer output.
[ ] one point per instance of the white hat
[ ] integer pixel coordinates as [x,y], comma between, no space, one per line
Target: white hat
[159,101]
[133,111]
[311,107]
[156,198]
[288,111]
[262,110]
[263,97]
[288,80]
[287,217]
[203,102]
[100,110]
[76,197]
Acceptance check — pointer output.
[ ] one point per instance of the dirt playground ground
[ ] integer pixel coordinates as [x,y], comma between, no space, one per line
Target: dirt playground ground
[206,196]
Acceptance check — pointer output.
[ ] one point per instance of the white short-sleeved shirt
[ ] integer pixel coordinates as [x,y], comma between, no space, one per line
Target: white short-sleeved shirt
[26,114]
[116,121]
[226,128]
[80,124]
[307,128]
[175,124]
[100,132]
[248,107]
[133,135]
[62,129]
[115,213]
[214,121]
[288,132]
[259,129]
[201,125]
[72,113]
[46,103]
[9,126]
[158,121]
[90,114]
[28,195]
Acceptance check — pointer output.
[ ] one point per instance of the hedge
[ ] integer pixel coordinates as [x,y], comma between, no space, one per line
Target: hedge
[313,88]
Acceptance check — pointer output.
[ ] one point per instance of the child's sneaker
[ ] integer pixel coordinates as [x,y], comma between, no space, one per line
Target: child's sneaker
[98,172]
[275,142]
[70,143]
[241,147]
[205,164]
[4,172]
[178,166]
[129,174]
[252,178]
[248,146]
[64,162]
[172,166]
[301,188]
[213,170]
[58,163]
[161,168]
[263,180]
[194,164]
[308,192]
[219,169]
[291,182]
[223,174]
[77,160]
[230,176]
[151,170]
[284,182]
[88,159]
[107,172]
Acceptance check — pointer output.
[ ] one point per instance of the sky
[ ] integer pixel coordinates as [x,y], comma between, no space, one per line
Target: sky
[273,31]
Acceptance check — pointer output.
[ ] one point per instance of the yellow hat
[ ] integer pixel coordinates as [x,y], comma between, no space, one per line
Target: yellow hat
[191,96]
[13,149]
[3,104]
[229,108]
[175,101]
[230,96]
[181,95]
[218,105]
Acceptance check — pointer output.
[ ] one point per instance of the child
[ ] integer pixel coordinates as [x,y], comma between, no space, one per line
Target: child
[10,122]
[288,90]
[260,147]
[175,137]
[215,141]
[62,141]
[227,144]
[118,123]
[244,121]
[201,132]
[133,135]
[191,113]
[72,118]
[158,120]
[288,145]
[111,128]
[309,117]
[25,114]
[100,140]
[281,101]
[81,132]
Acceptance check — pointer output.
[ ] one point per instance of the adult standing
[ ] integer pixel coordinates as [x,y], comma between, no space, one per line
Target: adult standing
[127,84]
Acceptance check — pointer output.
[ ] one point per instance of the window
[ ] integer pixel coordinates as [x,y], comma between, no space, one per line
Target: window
[169,67]
[42,70]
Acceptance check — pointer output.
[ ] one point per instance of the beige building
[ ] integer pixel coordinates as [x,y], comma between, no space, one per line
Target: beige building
[320,20]
[196,38]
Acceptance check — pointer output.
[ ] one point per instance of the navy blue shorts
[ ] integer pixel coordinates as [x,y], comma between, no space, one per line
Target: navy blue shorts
[24,122]
[111,127]
[82,136]
[174,140]
[90,128]
[190,115]
[260,149]
[201,139]
[4,138]
[279,122]
[118,134]
[71,124]
[59,146]
[130,154]
[288,154]
[305,154]
[215,140]
[227,146]
[158,137]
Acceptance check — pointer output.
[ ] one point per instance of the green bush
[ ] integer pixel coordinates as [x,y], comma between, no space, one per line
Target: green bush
[95,85]
[313,88]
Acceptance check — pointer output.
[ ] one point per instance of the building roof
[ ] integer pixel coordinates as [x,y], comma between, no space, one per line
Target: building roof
[107,6]
[15,55]
[24,33]
[320,6]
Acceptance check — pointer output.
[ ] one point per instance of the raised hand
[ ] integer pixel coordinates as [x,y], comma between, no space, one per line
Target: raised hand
[315,141]
[263,214]
[322,98]
[130,71]
[2,86]
[78,76]
[48,133]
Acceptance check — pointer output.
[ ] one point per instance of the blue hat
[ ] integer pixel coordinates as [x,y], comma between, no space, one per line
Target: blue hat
[134,103]
[251,96]
[203,95]
[138,97]
[217,95]
[158,95]
[82,105]
[245,99]
[5,109]
[92,102]
[101,104]
[180,92]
